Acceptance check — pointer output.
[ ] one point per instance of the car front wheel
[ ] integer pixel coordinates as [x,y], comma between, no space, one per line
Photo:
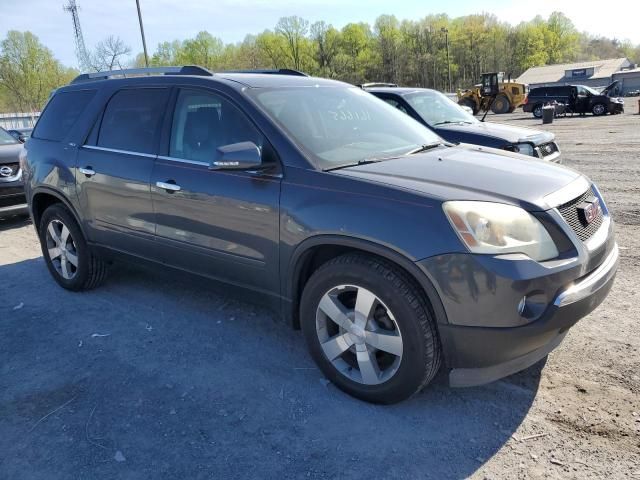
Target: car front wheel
[599,109]
[68,257]
[369,329]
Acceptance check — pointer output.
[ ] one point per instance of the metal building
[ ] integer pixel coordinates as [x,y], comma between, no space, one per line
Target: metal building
[629,79]
[593,73]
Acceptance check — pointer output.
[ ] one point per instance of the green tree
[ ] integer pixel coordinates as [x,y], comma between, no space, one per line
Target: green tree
[326,43]
[204,50]
[529,46]
[29,71]
[293,30]
[561,38]
[273,47]
[166,53]
[387,32]
[355,45]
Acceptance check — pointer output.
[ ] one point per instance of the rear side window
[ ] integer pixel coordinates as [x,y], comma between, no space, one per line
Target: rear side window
[132,119]
[61,114]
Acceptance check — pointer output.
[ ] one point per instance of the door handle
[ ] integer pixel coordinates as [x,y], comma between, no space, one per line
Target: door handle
[88,171]
[170,186]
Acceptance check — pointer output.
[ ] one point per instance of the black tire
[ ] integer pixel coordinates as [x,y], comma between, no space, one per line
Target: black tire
[599,109]
[91,269]
[537,111]
[501,104]
[421,350]
[466,102]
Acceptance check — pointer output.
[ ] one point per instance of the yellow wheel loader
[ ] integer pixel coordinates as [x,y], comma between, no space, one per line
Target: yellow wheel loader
[494,93]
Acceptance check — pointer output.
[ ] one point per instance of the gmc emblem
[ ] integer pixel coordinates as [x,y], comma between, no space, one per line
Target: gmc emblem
[589,210]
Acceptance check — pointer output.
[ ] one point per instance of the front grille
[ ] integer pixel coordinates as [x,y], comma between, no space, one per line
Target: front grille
[547,149]
[572,216]
[4,173]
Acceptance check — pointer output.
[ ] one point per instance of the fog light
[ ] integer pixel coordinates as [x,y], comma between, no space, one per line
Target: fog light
[533,305]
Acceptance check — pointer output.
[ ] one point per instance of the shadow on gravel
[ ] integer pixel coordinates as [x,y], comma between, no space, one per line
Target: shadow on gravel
[14,221]
[165,376]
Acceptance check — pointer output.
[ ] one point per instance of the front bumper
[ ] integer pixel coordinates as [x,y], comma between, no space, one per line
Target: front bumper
[12,196]
[488,335]
[616,107]
[506,351]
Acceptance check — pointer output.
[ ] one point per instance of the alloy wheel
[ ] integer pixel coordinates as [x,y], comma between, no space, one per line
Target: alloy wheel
[62,249]
[359,335]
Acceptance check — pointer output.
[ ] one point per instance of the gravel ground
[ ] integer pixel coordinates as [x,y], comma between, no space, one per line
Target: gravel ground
[163,376]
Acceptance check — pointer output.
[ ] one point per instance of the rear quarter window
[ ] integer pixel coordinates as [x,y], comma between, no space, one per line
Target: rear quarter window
[61,114]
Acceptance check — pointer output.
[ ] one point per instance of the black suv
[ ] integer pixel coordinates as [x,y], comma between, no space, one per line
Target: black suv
[451,122]
[12,198]
[394,252]
[577,98]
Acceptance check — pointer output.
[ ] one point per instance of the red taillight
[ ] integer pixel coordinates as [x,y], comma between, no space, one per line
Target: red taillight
[526,99]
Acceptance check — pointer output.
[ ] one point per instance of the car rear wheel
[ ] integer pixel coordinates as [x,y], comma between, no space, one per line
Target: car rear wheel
[599,109]
[68,257]
[500,104]
[537,111]
[369,329]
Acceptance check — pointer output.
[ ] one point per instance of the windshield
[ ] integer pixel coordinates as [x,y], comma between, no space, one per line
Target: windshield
[343,126]
[5,138]
[437,109]
[590,90]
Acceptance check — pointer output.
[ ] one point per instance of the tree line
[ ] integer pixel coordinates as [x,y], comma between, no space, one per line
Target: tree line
[407,52]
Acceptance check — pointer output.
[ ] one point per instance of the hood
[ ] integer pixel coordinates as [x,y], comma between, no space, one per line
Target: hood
[608,88]
[508,133]
[469,172]
[10,153]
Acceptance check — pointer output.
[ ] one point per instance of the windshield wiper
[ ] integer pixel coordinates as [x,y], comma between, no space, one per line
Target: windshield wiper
[449,122]
[366,161]
[424,148]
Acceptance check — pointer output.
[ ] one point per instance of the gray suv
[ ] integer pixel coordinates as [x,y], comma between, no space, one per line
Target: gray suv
[395,253]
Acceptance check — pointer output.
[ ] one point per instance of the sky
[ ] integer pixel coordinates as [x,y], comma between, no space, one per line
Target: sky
[232,20]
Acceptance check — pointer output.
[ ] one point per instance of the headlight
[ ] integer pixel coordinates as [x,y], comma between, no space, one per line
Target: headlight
[496,228]
[524,148]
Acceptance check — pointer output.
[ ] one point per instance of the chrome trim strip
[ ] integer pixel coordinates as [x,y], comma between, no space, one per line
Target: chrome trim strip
[567,193]
[14,209]
[592,283]
[205,164]
[115,150]
[600,236]
[183,160]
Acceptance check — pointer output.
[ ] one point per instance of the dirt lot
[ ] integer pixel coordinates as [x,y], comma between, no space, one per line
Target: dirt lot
[158,376]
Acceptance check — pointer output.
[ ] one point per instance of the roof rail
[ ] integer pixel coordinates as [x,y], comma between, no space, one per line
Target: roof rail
[377,84]
[278,71]
[184,70]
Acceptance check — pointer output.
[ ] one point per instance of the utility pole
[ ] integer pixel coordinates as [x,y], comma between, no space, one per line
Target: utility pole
[445,30]
[144,42]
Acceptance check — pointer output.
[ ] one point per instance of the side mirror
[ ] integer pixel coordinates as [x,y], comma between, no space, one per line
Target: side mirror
[237,156]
